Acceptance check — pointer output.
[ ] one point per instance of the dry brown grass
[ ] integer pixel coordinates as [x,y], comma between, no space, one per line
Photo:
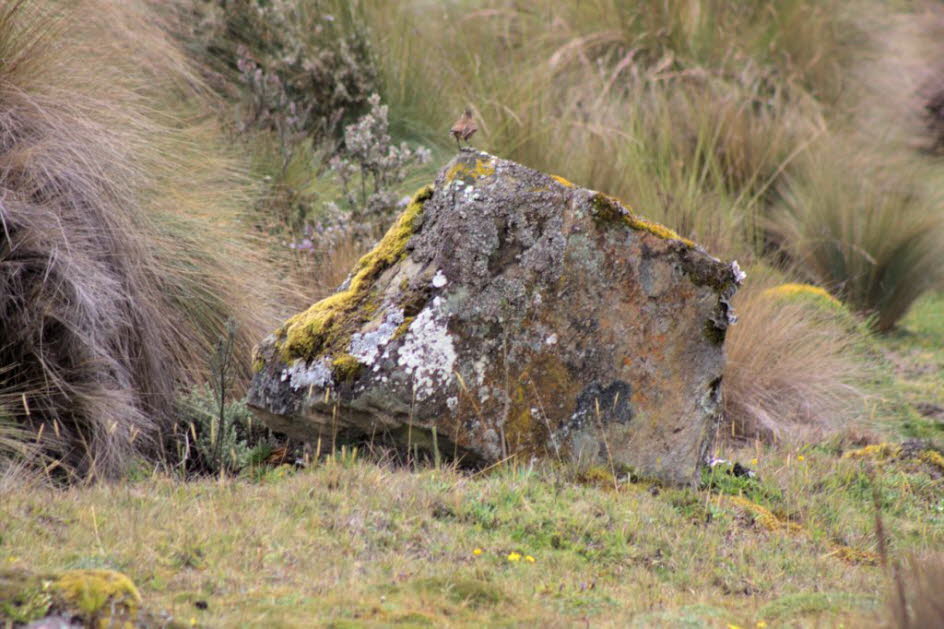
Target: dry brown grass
[121,258]
[922,582]
[795,371]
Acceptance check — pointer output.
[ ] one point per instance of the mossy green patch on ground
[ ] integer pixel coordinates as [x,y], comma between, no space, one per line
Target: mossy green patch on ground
[104,597]
[916,353]
[532,544]
[24,597]
[99,598]
[328,324]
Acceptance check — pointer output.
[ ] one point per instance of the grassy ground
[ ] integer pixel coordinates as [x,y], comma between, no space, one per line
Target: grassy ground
[350,542]
[707,116]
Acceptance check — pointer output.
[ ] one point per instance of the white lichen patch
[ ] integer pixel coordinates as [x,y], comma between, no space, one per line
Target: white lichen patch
[366,346]
[428,353]
[439,280]
[302,375]
[479,367]
[739,275]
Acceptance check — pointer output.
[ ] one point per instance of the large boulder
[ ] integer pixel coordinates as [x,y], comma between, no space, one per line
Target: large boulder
[511,312]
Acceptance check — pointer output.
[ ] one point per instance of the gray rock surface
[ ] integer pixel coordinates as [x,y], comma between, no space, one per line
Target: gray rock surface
[515,313]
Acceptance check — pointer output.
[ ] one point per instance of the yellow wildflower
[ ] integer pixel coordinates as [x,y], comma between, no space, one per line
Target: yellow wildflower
[513,556]
[193,622]
[761,624]
[477,552]
[753,461]
[529,558]
[800,457]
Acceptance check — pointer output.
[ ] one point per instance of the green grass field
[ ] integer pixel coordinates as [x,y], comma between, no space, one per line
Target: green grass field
[352,542]
[208,139]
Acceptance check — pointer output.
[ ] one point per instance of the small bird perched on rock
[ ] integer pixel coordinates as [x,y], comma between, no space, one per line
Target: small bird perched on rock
[464,127]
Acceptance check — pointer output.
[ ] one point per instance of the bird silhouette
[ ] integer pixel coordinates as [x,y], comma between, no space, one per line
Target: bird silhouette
[464,128]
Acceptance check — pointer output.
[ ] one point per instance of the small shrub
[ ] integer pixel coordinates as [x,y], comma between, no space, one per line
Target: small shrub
[305,65]
[211,441]
[369,165]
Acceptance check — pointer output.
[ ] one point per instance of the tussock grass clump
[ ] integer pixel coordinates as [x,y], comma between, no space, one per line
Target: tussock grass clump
[874,239]
[119,262]
[796,370]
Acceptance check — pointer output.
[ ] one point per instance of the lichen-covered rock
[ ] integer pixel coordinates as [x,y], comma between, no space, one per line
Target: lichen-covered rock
[516,314]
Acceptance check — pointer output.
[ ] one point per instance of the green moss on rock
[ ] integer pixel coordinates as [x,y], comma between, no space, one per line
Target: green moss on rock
[328,324]
[98,598]
[608,211]
[403,327]
[345,368]
[105,598]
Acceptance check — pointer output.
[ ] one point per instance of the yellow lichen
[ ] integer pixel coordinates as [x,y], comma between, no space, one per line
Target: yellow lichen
[877,451]
[771,522]
[324,323]
[763,516]
[562,181]
[854,555]
[884,451]
[609,210]
[345,368]
[482,168]
[598,476]
[106,598]
[403,327]
[794,289]
[933,458]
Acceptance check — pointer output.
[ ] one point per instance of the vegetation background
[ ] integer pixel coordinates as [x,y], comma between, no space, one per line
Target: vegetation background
[179,176]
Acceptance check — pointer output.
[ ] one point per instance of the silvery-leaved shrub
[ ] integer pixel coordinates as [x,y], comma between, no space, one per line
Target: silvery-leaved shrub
[305,65]
[369,165]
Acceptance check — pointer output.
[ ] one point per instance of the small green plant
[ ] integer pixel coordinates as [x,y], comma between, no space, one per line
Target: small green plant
[735,480]
[216,432]
[207,442]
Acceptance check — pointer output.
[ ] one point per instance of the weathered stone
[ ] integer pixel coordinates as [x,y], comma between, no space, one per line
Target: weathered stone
[516,314]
